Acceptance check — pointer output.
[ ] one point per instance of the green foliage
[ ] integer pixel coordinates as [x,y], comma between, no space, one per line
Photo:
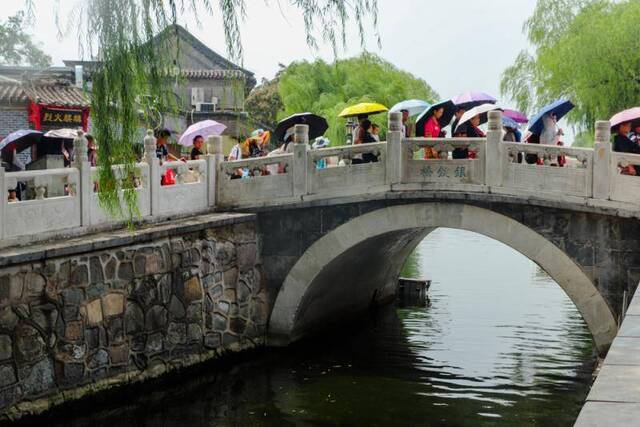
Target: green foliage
[16,46]
[264,103]
[587,50]
[326,89]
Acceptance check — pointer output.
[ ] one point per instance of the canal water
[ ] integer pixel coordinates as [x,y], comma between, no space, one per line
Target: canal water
[498,343]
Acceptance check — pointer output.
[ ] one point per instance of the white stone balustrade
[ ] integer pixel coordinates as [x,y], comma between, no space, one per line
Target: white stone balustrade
[590,177]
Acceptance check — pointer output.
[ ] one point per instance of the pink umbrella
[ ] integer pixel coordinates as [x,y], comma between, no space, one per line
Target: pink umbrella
[517,116]
[625,116]
[205,128]
[468,100]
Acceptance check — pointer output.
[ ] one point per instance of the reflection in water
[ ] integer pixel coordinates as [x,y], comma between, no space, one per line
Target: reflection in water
[499,344]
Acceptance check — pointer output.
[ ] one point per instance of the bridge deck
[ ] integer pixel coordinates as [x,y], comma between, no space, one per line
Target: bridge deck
[614,399]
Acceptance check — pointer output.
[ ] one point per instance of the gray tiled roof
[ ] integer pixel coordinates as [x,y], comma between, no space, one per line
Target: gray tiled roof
[51,94]
[213,74]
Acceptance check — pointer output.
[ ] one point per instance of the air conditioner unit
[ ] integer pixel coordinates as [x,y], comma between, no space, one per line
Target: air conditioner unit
[205,106]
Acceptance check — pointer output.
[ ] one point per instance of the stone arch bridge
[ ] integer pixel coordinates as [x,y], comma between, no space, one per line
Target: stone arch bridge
[274,256]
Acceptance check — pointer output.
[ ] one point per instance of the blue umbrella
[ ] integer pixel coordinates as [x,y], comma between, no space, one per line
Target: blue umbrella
[449,111]
[508,122]
[560,108]
[21,139]
[413,106]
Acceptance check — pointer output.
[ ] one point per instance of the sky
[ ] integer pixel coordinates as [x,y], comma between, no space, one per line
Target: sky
[454,45]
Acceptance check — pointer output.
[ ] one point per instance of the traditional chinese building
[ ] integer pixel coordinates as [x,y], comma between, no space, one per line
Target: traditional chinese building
[209,86]
[41,99]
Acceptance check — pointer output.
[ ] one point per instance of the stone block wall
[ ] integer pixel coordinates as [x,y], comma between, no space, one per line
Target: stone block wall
[82,323]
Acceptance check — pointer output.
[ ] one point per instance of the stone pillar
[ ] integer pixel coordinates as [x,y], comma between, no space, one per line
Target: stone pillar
[214,159]
[602,161]
[154,171]
[81,162]
[395,159]
[300,167]
[494,153]
[4,195]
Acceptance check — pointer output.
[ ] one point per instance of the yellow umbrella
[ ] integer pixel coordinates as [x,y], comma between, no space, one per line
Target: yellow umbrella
[363,108]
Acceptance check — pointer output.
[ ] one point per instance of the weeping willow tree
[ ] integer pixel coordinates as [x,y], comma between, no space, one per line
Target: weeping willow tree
[586,50]
[133,76]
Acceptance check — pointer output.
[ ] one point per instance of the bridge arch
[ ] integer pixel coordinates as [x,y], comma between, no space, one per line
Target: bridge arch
[361,260]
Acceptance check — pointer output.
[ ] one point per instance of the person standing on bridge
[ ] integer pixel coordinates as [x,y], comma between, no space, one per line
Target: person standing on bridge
[432,129]
[622,144]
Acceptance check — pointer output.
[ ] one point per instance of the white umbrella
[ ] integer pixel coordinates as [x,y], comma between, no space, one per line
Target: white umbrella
[64,133]
[480,110]
[413,106]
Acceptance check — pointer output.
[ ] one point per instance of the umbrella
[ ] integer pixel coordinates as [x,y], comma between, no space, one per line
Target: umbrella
[560,108]
[363,109]
[64,133]
[468,100]
[508,122]
[480,110]
[449,111]
[517,116]
[632,114]
[317,125]
[21,139]
[413,106]
[205,128]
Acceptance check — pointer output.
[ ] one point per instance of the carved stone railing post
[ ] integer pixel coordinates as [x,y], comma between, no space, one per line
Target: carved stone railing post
[395,164]
[154,171]
[602,167]
[214,159]
[300,149]
[494,153]
[81,162]
[4,195]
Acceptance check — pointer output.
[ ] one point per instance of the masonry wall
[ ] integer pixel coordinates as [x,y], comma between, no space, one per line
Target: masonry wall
[82,323]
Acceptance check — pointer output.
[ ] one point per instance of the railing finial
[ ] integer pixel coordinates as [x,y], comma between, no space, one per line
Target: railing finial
[80,149]
[301,134]
[495,120]
[395,121]
[214,144]
[149,146]
[603,131]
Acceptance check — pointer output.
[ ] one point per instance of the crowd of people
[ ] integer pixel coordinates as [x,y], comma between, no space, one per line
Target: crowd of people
[438,121]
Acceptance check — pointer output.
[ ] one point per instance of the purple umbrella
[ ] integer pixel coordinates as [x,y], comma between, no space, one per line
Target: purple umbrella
[205,128]
[517,116]
[472,99]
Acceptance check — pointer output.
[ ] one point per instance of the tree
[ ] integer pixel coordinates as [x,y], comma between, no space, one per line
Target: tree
[586,50]
[264,103]
[17,47]
[132,69]
[326,89]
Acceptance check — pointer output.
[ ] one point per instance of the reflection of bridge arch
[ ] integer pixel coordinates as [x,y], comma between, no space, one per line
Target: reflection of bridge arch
[361,259]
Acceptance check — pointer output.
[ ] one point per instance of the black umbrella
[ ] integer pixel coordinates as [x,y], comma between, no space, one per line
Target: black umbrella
[317,125]
[449,111]
[21,139]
